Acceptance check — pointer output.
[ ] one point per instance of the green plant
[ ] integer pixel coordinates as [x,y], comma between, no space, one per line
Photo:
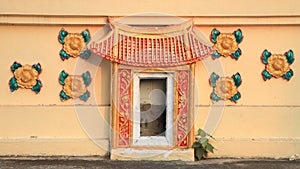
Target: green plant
[201,145]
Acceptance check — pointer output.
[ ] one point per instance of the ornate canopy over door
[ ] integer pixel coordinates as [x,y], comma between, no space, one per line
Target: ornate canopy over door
[163,46]
[162,54]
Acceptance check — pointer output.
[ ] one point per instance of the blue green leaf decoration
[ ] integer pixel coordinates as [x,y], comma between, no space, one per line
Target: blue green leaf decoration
[64,55]
[265,55]
[86,54]
[236,97]
[62,76]
[37,67]
[288,75]
[238,36]
[62,35]
[237,79]
[215,54]
[290,56]
[13,85]
[213,78]
[86,78]
[37,87]
[214,34]
[214,97]
[86,35]
[63,96]
[15,66]
[266,75]
[85,96]
[236,54]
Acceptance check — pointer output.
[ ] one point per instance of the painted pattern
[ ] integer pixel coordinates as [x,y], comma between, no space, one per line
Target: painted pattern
[124,107]
[183,108]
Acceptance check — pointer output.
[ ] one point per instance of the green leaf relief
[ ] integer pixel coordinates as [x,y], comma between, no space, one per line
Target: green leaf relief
[214,34]
[63,96]
[290,56]
[265,55]
[62,76]
[237,79]
[213,78]
[238,35]
[288,75]
[13,85]
[266,75]
[15,66]
[86,78]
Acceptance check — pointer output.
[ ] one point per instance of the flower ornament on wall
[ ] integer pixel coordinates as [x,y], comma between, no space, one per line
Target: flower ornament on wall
[225,88]
[277,65]
[226,44]
[74,44]
[74,86]
[26,77]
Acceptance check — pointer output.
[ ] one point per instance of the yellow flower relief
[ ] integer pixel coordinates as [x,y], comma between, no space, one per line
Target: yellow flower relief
[74,86]
[74,44]
[225,88]
[26,76]
[277,65]
[226,44]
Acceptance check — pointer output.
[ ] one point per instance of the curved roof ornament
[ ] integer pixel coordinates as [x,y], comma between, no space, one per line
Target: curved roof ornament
[151,46]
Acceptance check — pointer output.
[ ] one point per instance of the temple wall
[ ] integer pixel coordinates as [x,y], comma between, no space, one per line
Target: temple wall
[263,123]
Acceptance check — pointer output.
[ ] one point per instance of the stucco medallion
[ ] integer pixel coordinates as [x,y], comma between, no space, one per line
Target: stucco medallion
[74,44]
[277,65]
[226,44]
[26,77]
[225,88]
[74,86]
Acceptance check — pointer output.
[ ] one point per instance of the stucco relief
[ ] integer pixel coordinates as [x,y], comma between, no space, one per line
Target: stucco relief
[74,44]
[226,44]
[277,65]
[225,88]
[26,77]
[74,86]
[124,107]
[183,105]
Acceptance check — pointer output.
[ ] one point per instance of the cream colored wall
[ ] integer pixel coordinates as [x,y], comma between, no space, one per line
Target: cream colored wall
[264,122]
[35,124]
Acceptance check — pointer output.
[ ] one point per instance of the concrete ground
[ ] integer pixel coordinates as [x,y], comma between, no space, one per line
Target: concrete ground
[97,163]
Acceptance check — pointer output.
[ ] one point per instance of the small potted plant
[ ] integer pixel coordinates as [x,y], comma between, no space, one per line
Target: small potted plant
[201,145]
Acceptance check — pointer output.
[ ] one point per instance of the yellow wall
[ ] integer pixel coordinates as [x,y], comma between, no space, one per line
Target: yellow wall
[264,122]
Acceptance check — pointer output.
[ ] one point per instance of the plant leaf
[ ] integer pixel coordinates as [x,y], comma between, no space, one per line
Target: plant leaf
[203,141]
[201,133]
[210,147]
[196,144]
[200,152]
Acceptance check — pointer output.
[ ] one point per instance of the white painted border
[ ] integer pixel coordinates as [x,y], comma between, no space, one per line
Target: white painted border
[153,140]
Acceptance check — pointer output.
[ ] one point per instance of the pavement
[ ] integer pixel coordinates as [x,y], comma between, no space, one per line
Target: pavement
[100,163]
